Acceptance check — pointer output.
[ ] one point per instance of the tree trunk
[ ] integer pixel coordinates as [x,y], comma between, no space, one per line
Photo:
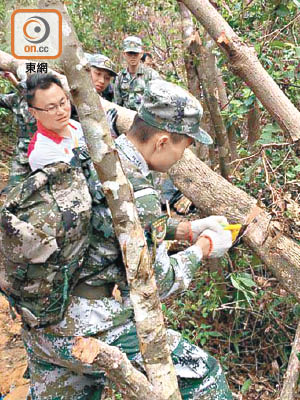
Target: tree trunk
[143,291]
[253,124]
[244,62]
[231,131]
[190,39]
[210,90]
[188,36]
[292,373]
[212,194]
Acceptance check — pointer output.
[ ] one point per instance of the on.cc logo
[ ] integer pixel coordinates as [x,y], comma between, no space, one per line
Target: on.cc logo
[40,29]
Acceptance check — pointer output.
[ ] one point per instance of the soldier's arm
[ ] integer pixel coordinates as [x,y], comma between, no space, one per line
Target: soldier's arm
[117,94]
[173,273]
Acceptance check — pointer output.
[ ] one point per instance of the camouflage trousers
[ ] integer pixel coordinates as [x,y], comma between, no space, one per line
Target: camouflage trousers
[55,374]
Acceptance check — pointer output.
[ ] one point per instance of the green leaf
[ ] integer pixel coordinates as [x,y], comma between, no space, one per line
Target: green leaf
[282,11]
[214,334]
[268,134]
[277,44]
[246,386]
[247,280]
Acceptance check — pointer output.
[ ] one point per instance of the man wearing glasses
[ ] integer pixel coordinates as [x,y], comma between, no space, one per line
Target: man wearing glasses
[57,135]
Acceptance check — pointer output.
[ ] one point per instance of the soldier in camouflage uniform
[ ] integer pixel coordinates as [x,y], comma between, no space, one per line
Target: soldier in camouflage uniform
[168,122]
[130,82]
[102,72]
[16,103]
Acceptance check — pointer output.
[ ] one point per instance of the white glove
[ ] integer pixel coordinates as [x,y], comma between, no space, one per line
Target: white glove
[213,222]
[221,241]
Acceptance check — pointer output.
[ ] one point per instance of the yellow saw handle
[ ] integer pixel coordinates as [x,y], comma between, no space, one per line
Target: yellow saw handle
[234,228]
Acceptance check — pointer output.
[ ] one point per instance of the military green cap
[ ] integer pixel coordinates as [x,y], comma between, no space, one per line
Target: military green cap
[132,43]
[101,61]
[171,108]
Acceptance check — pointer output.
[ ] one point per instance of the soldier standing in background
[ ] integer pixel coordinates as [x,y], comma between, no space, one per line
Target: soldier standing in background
[130,82]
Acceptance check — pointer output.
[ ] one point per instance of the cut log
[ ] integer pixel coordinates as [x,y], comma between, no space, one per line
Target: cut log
[212,194]
[129,381]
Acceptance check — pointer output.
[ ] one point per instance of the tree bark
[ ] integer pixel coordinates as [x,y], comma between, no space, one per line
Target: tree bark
[212,194]
[292,373]
[188,36]
[192,42]
[244,62]
[253,124]
[231,131]
[117,368]
[210,90]
[140,275]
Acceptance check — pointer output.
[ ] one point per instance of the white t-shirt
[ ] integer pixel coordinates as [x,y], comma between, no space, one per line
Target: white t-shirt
[47,147]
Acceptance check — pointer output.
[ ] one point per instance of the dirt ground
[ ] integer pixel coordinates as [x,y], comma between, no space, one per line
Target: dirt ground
[13,361]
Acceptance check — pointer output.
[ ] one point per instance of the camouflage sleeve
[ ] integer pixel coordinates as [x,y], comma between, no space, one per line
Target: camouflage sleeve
[117,94]
[8,100]
[173,273]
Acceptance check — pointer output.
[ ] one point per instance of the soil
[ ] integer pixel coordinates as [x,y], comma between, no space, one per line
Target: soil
[13,361]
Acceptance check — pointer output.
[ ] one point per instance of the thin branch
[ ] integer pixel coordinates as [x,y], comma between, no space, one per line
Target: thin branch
[277,31]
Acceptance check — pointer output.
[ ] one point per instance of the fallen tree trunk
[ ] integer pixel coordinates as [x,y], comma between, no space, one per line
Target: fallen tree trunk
[212,194]
[243,62]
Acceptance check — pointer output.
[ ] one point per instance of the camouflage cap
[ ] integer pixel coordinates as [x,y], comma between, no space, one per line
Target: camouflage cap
[171,108]
[132,43]
[101,61]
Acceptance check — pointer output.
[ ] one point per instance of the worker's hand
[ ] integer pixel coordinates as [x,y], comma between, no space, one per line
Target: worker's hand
[219,242]
[111,117]
[213,223]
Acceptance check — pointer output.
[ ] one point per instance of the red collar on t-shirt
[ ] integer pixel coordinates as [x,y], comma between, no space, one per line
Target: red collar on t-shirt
[45,132]
[50,134]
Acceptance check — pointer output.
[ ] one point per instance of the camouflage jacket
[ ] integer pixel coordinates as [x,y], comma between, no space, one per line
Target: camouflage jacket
[16,103]
[44,226]
[108,93]
[129,90]
[103,265]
